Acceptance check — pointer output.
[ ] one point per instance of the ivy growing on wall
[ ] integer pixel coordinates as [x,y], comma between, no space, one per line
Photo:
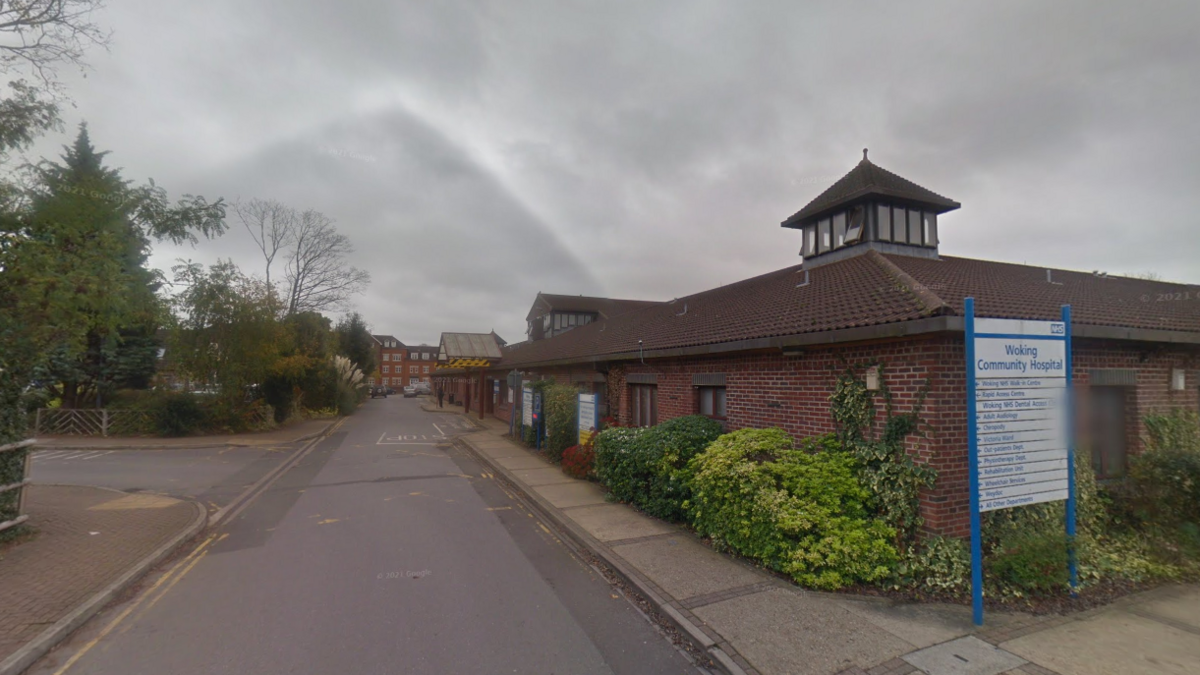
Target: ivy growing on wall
[888,471]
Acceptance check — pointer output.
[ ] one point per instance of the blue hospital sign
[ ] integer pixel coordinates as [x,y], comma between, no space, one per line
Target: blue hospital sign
[1018,421]
[1020,425]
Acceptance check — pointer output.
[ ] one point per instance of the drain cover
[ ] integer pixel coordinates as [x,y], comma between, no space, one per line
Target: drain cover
[964,656]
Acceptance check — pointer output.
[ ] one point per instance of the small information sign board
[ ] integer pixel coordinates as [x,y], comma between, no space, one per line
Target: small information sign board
[588,423]
[527,405]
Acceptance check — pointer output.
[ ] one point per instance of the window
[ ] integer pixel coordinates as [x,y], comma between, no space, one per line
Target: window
[370,380]
[643,400]
[931,229]
[884,214]
[810,241]
[425,369]
[712,402]
[546,323]
[839,230]
[385,368]
[899,229]
[571,319]
[387,357]
[854,230]
[414,380]
[823,239]
[412,355]
[412,370]
[425,356]
[914,227]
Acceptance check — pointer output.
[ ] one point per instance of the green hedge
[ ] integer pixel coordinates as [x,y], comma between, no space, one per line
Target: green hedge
[561,419]
[649,468]
[799,512]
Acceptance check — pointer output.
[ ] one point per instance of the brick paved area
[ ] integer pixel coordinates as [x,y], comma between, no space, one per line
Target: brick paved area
[86,538]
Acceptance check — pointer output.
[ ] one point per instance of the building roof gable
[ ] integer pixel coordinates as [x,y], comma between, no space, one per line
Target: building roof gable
[868,179]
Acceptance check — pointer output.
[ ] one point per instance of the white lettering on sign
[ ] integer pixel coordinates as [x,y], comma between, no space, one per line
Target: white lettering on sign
[1036,498]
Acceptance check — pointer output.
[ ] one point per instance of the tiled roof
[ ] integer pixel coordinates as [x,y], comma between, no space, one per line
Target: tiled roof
[870,289]
[868,179]
[1023,292]
[382,338]
[605,307]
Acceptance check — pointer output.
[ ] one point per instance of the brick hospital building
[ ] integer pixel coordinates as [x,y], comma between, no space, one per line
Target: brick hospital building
[875,290]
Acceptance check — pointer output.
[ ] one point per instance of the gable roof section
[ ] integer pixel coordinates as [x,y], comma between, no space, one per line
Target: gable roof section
[607,308]
[868,290]
[382,338]
[468,346]
[864,180]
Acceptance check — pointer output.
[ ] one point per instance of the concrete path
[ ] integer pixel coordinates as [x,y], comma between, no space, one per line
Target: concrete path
[757,623]
[383,550]
[291,433]
[85,540]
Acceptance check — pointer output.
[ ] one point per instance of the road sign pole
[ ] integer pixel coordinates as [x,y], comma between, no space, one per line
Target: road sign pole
[973,470]
[1071,561]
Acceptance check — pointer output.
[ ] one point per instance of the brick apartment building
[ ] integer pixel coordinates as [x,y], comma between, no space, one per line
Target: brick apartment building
[419,364]
[390,356]
[874,290]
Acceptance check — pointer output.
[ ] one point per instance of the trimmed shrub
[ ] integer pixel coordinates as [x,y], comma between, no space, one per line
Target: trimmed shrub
[940,565]
[649,467]
[621,462]
[578,461]
[673,445]
[1033,561]
[800,513]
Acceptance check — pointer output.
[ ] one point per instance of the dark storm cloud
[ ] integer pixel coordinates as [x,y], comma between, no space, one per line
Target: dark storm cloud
[477,152]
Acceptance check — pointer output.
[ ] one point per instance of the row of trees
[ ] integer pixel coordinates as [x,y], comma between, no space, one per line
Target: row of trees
[82,314]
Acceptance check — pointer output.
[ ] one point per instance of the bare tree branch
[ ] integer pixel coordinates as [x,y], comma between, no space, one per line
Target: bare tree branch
[271,225]
[318,274]
[43,34]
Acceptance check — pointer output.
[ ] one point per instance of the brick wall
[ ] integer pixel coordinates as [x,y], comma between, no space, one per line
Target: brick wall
[766,388]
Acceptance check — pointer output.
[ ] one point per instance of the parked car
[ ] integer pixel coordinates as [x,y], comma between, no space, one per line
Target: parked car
[390,390]
[379,391]
[410,391]
[423,388]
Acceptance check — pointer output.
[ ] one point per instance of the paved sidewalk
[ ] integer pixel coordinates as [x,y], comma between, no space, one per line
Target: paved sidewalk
[754,622]
[89,543]
[291,433]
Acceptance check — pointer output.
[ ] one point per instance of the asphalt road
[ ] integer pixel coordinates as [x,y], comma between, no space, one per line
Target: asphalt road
[211,476]
[385,550]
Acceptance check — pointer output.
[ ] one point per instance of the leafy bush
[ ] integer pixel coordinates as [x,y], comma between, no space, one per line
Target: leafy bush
[1164,480]
[940,565]
[649,467]
[798,512]
[558,409]
[1033,561]
[578,461]
[886,468]
[179,414]
[620,462]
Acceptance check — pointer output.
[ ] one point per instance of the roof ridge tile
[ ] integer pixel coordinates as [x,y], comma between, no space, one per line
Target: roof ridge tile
[923,294]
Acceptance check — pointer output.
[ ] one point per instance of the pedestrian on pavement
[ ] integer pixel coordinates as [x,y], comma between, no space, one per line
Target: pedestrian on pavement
[440,394]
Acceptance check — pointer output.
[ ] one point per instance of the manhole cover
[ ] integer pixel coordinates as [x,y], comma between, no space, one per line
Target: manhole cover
[964,656]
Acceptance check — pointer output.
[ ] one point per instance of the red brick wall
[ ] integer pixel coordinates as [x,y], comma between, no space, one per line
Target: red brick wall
[766,389]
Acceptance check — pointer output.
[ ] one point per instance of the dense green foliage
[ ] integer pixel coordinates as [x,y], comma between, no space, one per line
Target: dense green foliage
[1164,480]
[649,468]
[801,511]
[354,341]
[894,479]
[561,421]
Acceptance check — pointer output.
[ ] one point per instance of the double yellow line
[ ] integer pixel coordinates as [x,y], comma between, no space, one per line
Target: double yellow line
[166,582]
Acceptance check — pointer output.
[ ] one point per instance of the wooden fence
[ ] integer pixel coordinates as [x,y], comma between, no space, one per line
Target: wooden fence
[14,516]
[92,422]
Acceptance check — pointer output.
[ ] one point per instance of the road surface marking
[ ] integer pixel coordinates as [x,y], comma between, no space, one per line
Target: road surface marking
[98,454]
[439,430]
[499,508]
[129,610]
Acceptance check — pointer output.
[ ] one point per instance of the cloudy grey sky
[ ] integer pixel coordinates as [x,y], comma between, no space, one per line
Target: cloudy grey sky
[478,152]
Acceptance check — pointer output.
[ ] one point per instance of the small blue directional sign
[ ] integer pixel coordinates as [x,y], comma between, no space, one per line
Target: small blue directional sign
[1019,422]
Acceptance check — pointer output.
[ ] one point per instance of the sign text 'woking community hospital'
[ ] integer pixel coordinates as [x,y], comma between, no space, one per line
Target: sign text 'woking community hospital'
[1019,419]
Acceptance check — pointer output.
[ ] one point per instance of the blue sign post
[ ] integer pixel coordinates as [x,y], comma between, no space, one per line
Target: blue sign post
[1020,435]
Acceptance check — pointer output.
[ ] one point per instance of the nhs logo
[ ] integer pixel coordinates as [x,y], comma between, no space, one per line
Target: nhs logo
[1058,329]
